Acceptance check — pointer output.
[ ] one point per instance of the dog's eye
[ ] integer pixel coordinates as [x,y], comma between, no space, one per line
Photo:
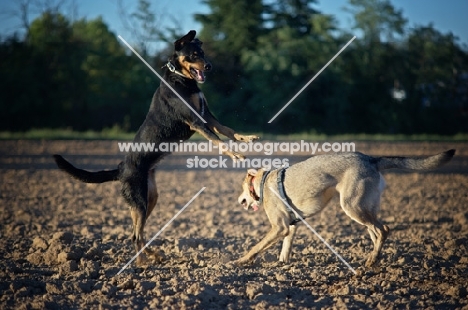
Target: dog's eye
[196,55]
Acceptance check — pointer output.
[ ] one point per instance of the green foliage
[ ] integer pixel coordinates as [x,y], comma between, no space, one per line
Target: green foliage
[71,75]
[293,14]
[377,19]
[77,75]
[228,31]
[231,27]
[354,94]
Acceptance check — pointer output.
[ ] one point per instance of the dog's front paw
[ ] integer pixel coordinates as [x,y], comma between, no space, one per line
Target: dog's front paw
[231,264]
[241,262]
[371,261]
[246,139]
[235,156]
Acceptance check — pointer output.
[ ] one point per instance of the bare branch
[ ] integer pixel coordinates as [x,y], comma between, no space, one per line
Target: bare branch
[25,10]
[144,25]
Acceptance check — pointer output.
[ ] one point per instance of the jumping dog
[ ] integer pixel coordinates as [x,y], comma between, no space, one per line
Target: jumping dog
[308,186]
[169,120]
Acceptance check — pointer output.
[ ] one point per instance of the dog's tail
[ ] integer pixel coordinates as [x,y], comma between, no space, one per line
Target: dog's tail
[86,176]
[415,163]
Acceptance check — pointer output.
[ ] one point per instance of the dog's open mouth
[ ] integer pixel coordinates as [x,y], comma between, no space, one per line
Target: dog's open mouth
[198,75]
[253,206]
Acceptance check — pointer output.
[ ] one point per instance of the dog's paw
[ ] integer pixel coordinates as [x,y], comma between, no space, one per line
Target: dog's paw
[371,262]
[156,257]
[241,262]
[247,139]
[235,156]
[142,261]
[235,263]
[231,264]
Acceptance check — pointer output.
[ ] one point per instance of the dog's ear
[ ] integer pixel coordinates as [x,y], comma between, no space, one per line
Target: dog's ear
[198,42]
[252,172]
[179,44]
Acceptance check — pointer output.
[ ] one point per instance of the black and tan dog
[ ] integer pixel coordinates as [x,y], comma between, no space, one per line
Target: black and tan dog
[169,120]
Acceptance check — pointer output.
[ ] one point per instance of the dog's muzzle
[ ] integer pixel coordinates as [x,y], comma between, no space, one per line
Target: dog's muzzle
[253,206]
[199,75]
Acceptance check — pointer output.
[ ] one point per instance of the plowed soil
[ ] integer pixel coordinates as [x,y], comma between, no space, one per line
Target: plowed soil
[63,242]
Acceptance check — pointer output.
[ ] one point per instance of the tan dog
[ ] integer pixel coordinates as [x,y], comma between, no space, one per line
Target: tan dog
[309,185]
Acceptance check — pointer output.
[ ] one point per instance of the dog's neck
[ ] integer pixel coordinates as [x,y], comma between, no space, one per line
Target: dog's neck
[179,78]
[257,187]
[172,68]
[252,191]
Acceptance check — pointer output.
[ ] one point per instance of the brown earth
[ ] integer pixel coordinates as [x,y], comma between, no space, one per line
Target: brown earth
[63,242]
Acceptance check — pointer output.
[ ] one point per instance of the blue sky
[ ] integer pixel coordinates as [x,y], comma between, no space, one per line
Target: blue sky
[446,15]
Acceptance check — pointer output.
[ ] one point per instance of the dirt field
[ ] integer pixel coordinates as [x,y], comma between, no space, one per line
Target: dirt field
[63,242]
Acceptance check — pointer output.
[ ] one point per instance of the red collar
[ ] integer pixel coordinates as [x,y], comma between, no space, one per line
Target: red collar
[252,192]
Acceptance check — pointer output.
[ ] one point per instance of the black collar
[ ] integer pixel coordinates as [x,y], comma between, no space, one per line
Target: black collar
[282,193]
[262,185]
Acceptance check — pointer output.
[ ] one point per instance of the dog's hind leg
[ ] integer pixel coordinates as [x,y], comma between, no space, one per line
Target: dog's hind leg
[135,192]
[361,202]
[377,231]
[152,201]
[379,234]
[138,219]
[287,244]
[152,192]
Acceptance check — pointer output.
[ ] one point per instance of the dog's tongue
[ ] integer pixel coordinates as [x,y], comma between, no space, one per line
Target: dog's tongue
[255,206]
[200,75]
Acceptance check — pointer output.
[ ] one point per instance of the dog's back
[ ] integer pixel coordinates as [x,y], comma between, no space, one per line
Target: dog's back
[318,167]
[326,170]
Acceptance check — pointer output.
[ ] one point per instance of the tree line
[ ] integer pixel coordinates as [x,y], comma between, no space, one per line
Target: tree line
[391,79]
